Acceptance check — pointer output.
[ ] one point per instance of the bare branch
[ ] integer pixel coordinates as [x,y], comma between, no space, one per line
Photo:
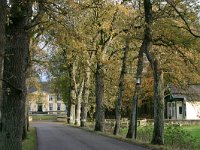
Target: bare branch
[182,17]
[17,89]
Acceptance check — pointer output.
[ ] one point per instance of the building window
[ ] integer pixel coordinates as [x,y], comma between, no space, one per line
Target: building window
[50,106]
[58,98]
[184,106]
[173,109]
[169,110]
[58,106]
[180,110]
[50,98]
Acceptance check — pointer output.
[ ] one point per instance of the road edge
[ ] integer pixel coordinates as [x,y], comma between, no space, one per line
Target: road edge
[120,138]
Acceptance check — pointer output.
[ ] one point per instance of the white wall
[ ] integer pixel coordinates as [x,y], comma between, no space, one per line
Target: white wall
[192,110]
[45,102]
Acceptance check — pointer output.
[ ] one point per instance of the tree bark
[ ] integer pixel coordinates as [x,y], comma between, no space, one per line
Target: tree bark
[26,104]
[78,90]
[75,95]
[2,50]
[69,100]
[14,76]
[86,96]
[121,89]
[158,132]
[132,126]
[99,92]
[78,108]
[26,107]
[25,129]
[27,118]
[72,114]
[145,47]
[72,97]
[72,108]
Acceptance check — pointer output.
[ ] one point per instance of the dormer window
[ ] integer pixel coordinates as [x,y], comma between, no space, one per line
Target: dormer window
[58,98]
[50,98]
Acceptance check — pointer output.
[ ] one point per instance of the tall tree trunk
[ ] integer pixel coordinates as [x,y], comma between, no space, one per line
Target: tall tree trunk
[158,132]
[73,94]
[27,119]
[72,114]
[145,47]
[14,76]
[99,92]
[78,108]
[121,89]
[68,104]
[75,91]
[26,104]
[2,50]
[72,108]
[133,124]
[69,100]
[86,96]
[25,107]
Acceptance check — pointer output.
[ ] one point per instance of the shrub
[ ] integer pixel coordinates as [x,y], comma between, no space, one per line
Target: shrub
[145,133]
[177,138]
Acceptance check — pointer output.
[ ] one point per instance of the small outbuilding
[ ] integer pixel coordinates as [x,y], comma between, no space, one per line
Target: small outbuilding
[183,103]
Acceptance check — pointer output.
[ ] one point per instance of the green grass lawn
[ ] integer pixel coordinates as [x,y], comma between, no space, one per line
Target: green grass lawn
[179,136]
[193,130]
[43,117]
[30,142]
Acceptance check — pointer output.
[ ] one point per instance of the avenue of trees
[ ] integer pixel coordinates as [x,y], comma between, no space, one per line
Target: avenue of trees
[96,51]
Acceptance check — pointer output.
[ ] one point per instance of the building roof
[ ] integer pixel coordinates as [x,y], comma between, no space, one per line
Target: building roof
[191,92]
[44,87]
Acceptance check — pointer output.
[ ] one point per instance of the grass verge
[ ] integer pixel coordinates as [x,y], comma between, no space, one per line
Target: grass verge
[30,142]
[176,137]
[43,117]
[193,130]
[122,138]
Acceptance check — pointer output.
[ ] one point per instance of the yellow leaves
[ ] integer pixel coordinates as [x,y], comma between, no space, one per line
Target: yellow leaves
[106,25]
[76,44]
[37,97]
[126,10]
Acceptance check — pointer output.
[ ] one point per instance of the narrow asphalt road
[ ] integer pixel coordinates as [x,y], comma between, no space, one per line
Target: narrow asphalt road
[55,136]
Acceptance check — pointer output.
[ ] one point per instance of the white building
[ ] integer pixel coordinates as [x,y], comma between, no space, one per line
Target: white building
[43,101]
[183,104]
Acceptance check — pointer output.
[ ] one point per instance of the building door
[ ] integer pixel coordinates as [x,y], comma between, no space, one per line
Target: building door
[40,107]
[171,110]
[174,116]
